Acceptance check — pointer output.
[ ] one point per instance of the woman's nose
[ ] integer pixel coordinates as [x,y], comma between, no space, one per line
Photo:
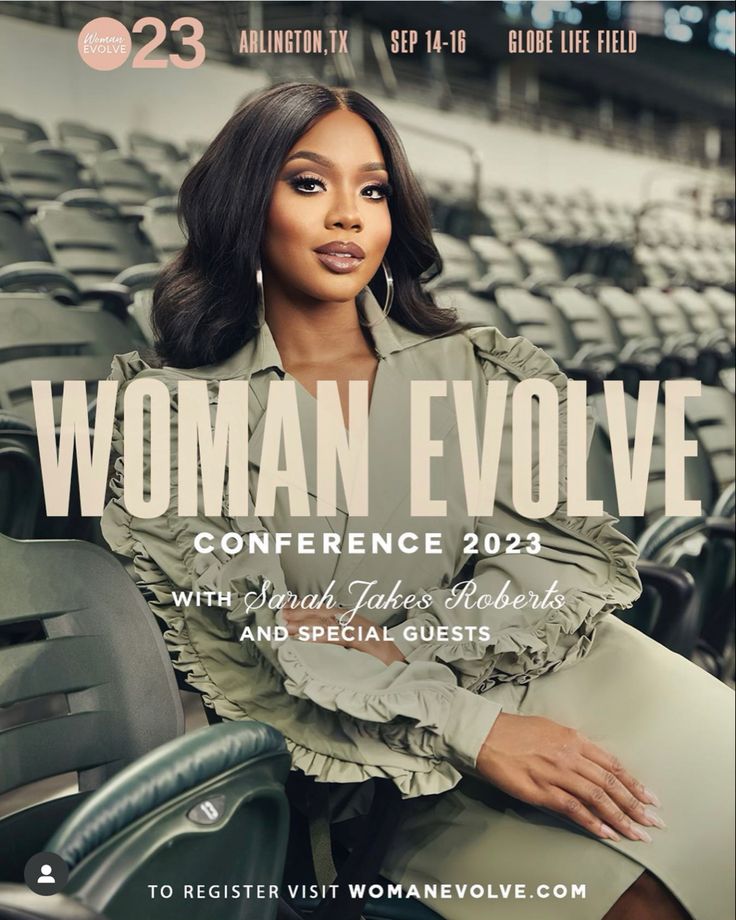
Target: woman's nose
[345,215]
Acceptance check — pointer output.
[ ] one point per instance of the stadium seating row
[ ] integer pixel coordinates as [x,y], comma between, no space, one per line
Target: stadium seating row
[88,142]
[40,173]
[660,245]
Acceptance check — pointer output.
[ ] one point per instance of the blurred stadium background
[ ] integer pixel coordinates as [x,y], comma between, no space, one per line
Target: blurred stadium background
[583,201]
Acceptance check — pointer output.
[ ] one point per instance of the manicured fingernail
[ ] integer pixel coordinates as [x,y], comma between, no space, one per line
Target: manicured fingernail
[652,798]
[654,818]
[609,832]
[641,834]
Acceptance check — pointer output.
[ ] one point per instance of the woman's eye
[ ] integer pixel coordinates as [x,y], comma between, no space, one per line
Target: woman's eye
[307,184]
[375,192]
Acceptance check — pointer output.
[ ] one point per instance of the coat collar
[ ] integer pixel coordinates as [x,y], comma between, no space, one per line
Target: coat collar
[261,354]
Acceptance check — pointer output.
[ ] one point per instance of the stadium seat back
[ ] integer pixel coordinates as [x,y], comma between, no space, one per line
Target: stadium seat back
[498,259]
[84,141]
[724,303]
[459,262]
[124,181]
[631,320]
[19,129]
[16,243]
[92,246]
[140,310]
[538,320]
[702,316]
[152,149]
[475,310]
[496,218]
[20,478]
[668,316]
[161,225]
[86,686]
[539,259]
[654,613]
[589,323]
[39,175]
[41,340]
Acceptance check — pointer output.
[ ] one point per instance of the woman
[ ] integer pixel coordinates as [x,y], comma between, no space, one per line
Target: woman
[551,741]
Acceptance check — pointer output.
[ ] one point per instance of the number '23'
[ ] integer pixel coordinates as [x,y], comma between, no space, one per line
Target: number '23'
[192,41]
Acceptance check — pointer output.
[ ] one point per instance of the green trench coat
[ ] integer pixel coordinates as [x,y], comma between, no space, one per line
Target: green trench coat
[347,717]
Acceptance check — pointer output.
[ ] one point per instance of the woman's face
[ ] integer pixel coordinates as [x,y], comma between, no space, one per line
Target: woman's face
[328,222]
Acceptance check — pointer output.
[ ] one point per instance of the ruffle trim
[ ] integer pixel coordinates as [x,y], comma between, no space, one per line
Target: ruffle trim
[441,777]
[416,695]
[519,654]
[157,590]
[126,367]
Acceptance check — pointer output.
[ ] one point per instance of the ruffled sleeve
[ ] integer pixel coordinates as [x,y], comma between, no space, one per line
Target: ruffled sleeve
[589,563]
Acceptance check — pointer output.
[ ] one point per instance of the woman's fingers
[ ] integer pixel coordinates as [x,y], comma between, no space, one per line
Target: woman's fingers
[294,612]
[300,616]
[597,800]
[556,768]
[301,613]
[620,794]
[569,806]
[614,766]
[312,623]
[309,632]
[294,608]
[308,618]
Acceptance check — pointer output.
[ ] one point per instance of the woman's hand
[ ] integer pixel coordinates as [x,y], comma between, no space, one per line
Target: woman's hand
[348,636]
[557,768]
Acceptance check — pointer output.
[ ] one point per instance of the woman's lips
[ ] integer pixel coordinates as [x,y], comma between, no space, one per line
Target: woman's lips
[340,256]
[340,263]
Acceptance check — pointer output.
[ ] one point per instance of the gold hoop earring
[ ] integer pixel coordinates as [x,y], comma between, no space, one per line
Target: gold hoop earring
[389,287]
[389,278]
[259,287]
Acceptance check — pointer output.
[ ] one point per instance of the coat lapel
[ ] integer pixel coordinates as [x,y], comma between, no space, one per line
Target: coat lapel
[389,478]
[389,458]
[307,413]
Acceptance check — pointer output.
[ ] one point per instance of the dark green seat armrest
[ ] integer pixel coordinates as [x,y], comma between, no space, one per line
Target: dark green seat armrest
[159,777]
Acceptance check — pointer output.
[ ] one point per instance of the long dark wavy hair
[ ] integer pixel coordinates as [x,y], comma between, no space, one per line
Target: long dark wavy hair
[205,302]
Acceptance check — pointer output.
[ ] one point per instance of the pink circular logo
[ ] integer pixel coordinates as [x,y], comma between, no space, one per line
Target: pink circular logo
[104,43]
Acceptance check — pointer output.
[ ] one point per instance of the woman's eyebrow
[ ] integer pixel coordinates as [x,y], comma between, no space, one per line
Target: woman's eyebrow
[328,164]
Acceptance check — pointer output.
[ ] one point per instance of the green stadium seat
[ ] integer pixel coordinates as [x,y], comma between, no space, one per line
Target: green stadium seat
[39,173]
[75,694]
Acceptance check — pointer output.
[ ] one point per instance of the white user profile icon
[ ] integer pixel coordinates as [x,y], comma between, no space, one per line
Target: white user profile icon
[46,878]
